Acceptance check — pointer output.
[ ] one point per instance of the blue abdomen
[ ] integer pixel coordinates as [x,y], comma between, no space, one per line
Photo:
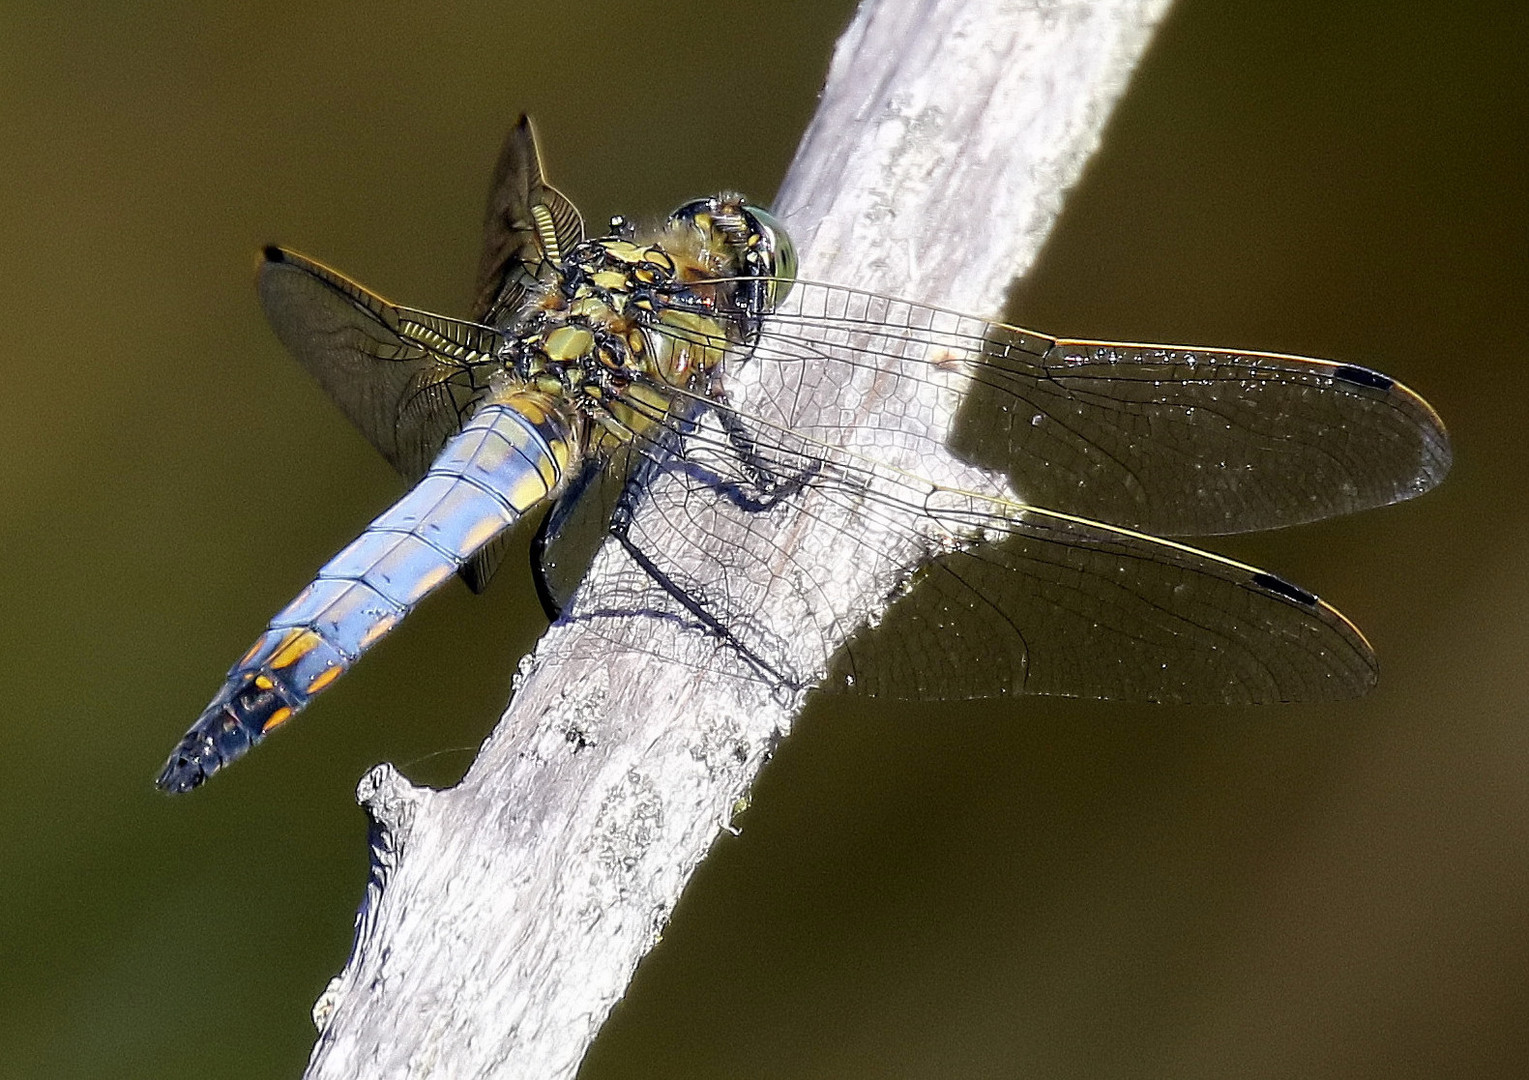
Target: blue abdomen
[486,478]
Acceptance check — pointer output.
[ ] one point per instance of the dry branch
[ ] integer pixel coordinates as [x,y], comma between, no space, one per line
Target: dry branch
[508,914]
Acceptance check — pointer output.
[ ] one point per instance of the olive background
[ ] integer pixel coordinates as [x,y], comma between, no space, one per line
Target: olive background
[1048,888]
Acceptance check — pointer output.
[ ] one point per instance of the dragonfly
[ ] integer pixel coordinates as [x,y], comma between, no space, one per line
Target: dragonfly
[597,381]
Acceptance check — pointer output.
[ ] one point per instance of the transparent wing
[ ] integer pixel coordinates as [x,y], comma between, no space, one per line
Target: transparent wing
[579,523]
[1168,440]
[405,378]
[1062,606]
[529,228]
[1005,598]
[479,569]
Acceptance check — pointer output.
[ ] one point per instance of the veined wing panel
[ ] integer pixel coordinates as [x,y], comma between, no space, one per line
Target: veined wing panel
[1010,599]
[529,228]
[1062,606]
[1162,439]
[405,378]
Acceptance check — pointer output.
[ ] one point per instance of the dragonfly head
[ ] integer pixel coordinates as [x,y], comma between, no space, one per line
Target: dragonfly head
[751,239]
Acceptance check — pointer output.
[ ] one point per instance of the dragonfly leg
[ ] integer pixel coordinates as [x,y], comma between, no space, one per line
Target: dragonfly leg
[765,487]
[771,495]
[620,529]
[551,529]
[766,475]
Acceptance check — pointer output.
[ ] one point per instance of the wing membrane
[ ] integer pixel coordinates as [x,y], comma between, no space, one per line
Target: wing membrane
[529,228]
[1062,606]
[578,524]
[405,378]
[1010,599]
[1166,440]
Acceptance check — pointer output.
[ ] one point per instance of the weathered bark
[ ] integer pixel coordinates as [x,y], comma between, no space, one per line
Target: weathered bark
[506,915]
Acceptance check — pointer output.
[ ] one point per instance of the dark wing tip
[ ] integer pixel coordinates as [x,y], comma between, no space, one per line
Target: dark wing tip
[1436,454]
[1280,587]
[1363,376]
[274,254]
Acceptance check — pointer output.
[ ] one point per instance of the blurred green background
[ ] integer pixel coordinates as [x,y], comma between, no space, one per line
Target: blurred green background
[1061,889]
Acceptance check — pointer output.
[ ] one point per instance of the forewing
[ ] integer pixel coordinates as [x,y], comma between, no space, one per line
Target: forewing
[1161,439]
[405,378]
[1183,441]
[529,227]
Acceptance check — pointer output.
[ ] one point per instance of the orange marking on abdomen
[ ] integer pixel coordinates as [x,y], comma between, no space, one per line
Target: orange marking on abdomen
[376,631]
[323,679]
[300,642]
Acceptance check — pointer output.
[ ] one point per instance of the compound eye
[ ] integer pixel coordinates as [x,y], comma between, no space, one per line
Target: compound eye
[778,251]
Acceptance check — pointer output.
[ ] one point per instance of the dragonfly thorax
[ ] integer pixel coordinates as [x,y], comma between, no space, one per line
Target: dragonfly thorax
[591,332]
[622,324]
[621,310]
